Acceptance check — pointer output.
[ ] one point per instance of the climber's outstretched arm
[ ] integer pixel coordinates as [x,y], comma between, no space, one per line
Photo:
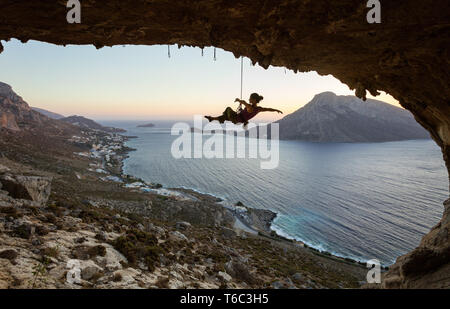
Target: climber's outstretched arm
[266,109]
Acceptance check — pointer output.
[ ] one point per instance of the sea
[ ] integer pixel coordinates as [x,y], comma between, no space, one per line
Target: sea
[358,200]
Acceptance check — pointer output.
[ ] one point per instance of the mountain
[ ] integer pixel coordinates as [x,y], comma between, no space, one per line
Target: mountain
[83,122]
[15,113]
[48,113]
[332,118]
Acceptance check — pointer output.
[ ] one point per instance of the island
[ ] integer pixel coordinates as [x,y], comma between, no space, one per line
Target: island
[147,125]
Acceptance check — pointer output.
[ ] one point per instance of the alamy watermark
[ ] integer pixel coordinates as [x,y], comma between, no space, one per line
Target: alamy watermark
[374,14]
[73,16]
[374,273]
[74,273]
[227,142]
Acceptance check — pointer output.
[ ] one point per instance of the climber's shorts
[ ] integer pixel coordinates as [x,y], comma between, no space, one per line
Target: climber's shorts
[230,115]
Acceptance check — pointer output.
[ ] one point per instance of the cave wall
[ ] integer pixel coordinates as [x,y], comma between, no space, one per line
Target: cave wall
[406,55]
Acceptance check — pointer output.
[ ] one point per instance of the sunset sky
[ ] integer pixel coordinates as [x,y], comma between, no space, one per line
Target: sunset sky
[141,82]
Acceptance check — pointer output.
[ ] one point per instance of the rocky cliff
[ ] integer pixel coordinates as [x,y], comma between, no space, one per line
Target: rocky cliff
[332,118]
[15,113]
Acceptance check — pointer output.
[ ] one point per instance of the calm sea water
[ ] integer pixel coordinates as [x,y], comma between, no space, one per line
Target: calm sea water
[363,201]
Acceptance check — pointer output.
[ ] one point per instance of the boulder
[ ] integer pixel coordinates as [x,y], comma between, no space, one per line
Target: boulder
[177,236]
[298,277]
[182,225]
[9,254]
[278,285]
[226,277]
[89,269]
[228,233]
[34,188]
[3,169]
[159,231]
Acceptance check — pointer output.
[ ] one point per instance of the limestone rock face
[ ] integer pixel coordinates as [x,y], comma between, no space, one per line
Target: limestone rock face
[33,188]
[8,121]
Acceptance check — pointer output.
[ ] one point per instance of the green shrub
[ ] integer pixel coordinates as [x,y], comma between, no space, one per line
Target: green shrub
[117,277]
[11,212]
[137,246]
[97,251]
[23,231]
[50,251]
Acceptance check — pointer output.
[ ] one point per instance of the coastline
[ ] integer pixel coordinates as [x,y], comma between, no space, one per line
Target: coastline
[251,220]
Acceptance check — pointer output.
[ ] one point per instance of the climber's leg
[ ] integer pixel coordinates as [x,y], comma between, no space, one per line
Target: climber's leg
[228,115]
[231,115]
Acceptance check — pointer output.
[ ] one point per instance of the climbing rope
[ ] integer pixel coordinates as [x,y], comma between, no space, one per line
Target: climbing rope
[215,54]
[239,108]
[242,73]
[168,51]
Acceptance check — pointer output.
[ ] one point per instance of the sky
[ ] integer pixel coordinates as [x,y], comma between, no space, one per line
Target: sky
[142,83]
